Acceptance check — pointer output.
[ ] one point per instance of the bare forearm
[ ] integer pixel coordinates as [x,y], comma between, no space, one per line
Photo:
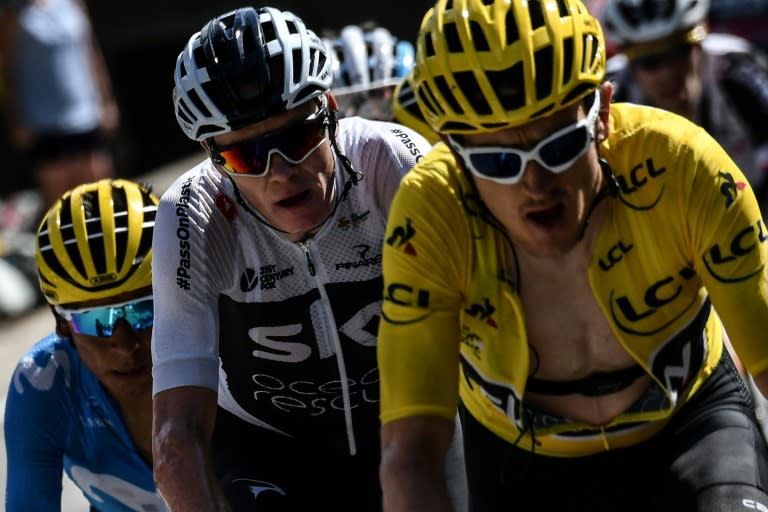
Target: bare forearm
[416,488]
[412,471]
[182,429]
[185,478]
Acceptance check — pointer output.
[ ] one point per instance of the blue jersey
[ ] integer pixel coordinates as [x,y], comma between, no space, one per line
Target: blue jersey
[58,416]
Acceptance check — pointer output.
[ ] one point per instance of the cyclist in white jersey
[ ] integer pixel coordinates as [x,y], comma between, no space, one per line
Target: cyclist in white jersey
[268,279]
[669,59]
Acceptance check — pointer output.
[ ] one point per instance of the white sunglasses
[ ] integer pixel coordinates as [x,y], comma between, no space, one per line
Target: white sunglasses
[557,152]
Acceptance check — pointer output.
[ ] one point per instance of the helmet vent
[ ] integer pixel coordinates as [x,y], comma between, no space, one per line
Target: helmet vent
[292,28]
[544,61]
[95,235]
[513,35]
[562,9]
[472,91]
[577,92]
[50,258]
[509,86]
[478,36]
[445,90]
[311,91]
[452,40]
[199,105]
[413,109]
[534,11]
[692,6]
[567,59]
[298,63]
[319,59]
[429,48]
[68,236]
[590,57]
[636,14]
[268,28]
[427,98]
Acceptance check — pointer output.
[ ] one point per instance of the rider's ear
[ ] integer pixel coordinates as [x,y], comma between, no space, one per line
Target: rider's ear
[333,106]
[62,326]
[603,124]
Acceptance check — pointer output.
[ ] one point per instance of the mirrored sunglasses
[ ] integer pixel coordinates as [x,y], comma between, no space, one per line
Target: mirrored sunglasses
[557,152]
[294,143]
[101,321]
[653,61]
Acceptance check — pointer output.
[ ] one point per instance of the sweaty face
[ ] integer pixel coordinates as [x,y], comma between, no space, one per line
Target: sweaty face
[294,196]
[671,79]
[122,361]
[544,211]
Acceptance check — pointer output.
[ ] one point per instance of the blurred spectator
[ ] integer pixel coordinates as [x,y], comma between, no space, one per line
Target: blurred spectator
[368,62]
[745,18]
[58,98]
[19,292]
[669,59]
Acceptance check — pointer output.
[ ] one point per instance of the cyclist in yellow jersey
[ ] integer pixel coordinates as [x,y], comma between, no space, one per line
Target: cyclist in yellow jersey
[569,266]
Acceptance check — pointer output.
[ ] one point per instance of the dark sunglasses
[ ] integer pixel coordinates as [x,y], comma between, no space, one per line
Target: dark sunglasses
[294,143]
[101,321]
[557,152]
[653,61]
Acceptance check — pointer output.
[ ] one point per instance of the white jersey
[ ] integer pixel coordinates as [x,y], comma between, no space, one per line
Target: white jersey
[285,331]
[734,102]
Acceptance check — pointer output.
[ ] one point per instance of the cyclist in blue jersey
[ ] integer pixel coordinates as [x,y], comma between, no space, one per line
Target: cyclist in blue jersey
[80,400]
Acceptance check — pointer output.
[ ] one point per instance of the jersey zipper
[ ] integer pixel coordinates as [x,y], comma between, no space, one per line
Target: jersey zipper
[334,333]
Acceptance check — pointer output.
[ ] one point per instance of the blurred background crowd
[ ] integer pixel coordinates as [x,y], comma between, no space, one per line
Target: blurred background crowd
[130,130]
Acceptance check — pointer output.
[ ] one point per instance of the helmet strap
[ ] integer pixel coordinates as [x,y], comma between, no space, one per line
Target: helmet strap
[611,188]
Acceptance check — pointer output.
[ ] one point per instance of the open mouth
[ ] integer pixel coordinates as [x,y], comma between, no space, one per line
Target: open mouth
[292,201]
[548,217]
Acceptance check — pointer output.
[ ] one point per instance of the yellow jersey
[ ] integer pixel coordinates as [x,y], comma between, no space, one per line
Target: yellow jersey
[682,246]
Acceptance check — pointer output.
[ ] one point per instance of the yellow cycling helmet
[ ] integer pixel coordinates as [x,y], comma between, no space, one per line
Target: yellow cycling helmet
[95,242]
[485,65]
[406,111]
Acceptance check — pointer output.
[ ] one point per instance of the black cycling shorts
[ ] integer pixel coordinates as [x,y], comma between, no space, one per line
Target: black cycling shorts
[711,457]
[261,470]
[50,147]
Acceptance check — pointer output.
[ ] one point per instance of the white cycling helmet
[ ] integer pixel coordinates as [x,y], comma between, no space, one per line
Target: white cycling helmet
[365,59]
[245,66]
[628,22]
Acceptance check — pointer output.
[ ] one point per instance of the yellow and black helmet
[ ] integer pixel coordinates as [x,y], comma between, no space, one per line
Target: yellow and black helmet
[406,111]
[485,65]
[95,242]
